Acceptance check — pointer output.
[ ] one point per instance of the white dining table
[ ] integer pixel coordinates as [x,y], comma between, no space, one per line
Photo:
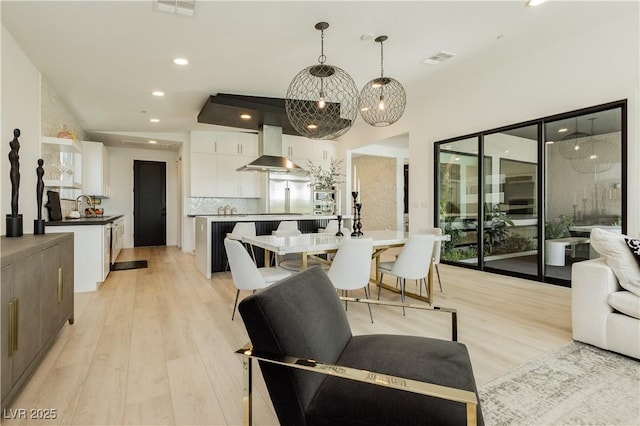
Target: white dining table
[309,245]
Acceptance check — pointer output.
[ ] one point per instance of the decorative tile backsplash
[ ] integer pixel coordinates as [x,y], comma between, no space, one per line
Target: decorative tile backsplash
[55,114]
[200,205]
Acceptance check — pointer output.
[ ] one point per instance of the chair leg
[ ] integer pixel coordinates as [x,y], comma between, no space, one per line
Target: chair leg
[402,282]
[235,304]
[438,272]
[253,253]
[345,293]
[380,284]
[366,293]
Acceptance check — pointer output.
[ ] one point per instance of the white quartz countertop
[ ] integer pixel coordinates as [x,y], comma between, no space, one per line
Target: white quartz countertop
[266,217]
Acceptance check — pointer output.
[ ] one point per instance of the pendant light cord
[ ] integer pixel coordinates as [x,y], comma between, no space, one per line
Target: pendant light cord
[322,58]
[381,59]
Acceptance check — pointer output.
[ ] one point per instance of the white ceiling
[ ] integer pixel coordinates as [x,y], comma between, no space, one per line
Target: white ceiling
[104,58]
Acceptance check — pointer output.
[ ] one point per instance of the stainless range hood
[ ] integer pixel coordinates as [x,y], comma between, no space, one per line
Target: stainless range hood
[270,150]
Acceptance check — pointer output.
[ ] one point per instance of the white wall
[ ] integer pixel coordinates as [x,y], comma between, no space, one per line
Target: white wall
[121,201]
[568,75]
[20,93]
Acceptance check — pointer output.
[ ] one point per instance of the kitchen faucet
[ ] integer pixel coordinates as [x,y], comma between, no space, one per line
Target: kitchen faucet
[89,199]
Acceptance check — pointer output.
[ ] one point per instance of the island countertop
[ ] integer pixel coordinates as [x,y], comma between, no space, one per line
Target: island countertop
[104,220]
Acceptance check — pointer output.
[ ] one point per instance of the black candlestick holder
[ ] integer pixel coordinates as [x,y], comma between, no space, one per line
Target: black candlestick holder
[357,223]
[339,233]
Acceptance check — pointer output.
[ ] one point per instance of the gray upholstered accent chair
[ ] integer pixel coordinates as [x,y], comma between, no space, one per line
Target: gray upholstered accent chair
[318,373]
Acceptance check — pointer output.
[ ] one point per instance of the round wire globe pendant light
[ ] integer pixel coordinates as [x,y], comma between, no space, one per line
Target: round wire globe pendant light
[382,100]
[322,100]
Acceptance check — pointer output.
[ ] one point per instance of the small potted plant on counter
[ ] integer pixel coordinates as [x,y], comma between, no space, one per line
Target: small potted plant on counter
[325,179]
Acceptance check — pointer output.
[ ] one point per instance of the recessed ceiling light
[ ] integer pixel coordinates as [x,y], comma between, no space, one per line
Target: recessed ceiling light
[366,37]
[549,142]
[564,129]
[154,120]
[157,93]
[506,151]
[535,2]
[153,142]
[245,116]
[180,61]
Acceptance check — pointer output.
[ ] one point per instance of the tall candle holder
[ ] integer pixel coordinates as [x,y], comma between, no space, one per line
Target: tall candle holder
[339,233]
[357,224]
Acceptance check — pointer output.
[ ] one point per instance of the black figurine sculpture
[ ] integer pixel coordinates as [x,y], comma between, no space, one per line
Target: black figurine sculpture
[14,220]
[38,224]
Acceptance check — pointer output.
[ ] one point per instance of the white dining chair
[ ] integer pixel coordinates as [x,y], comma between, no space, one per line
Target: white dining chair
[245,274]
[437,249]
[351,266]
[243,229]
[412,263]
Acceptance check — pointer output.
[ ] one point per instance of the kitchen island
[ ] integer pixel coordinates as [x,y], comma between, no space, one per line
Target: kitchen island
[92,247]
[212,229]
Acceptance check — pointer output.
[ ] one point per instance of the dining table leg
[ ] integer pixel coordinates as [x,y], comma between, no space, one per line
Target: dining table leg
[430,283]
[267,258]
[303,261]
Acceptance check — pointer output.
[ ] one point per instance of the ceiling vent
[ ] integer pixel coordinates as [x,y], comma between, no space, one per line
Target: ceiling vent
[438,58]
[176,7]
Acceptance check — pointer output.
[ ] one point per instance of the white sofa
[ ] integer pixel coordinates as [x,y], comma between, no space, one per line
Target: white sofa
[595,321]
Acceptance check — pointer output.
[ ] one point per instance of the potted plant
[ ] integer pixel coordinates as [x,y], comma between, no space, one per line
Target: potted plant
[325,179]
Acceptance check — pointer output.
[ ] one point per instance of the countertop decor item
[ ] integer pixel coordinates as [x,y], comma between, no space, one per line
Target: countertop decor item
[322,100]
[382,100]
[14,220]
[325,179]
[38,224]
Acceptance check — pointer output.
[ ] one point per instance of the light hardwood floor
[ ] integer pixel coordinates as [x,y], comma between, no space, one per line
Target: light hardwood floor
[156,345]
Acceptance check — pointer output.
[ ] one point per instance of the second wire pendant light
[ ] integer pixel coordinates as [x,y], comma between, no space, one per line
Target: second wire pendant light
[382,100]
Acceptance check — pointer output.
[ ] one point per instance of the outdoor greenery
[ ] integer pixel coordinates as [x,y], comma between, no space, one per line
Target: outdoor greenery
[558,228]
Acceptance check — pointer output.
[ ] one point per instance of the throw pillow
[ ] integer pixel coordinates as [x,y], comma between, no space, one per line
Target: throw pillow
[634,246]
[619,258]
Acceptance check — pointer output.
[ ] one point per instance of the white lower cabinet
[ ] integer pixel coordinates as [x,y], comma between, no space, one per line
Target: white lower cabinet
[91,244]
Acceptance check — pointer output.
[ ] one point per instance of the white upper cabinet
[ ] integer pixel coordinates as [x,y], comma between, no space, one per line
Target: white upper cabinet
[96,177]
[324,150]
[215,156]
[225,143]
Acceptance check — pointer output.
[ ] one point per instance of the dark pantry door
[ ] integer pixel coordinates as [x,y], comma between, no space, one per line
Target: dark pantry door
[149,203]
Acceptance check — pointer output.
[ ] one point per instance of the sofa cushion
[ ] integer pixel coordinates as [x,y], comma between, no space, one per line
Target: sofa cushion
[619,258]
[634,246]
[625,302]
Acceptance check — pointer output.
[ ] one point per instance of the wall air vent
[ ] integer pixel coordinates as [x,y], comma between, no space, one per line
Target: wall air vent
[176,7]
[438,58]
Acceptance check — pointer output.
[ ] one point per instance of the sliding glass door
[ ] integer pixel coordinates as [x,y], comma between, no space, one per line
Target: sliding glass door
[584,186]
[511,201]
[568,170]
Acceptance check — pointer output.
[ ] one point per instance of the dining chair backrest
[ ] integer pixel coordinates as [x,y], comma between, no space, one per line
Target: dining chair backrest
[414,260]
[243,229]
[288,225]
[286,233]
[351,266]
[244,272]
[437,245]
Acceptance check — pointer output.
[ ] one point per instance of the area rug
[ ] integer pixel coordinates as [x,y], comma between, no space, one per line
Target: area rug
[134,264]
[576,385]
